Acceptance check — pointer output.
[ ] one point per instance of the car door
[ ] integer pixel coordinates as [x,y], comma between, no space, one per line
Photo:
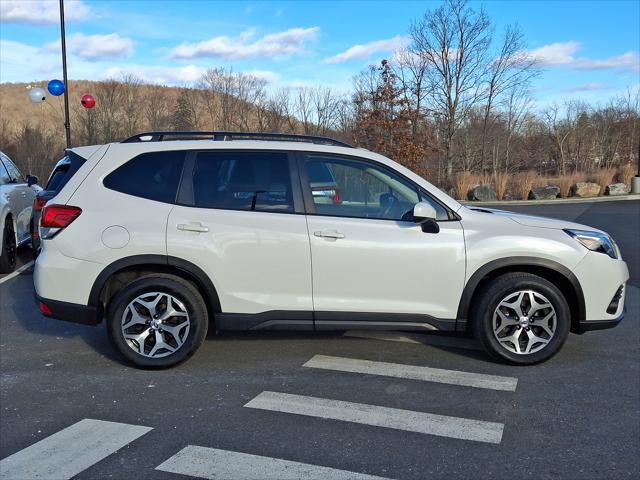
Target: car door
[241,219]
[371,263]
[20,197]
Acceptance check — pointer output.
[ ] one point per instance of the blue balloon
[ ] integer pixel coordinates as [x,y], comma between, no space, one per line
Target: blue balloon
[56,88]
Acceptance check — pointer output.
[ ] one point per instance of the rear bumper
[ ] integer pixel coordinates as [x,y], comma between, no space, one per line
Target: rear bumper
[589,325]
[69,312]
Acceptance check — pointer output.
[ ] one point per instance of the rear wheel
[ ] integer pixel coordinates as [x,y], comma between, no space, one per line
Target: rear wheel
[157,321]
[521,319]
[8,252]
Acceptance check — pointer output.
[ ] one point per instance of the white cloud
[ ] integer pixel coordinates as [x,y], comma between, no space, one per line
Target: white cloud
[555,53]
[96,47]
[563,55]
[627,61]
[588,87]
[158,74]
[360,52]
[42,12]
[279,44]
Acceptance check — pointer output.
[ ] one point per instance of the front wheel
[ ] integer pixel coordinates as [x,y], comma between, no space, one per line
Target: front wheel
[157,321]
[520,318]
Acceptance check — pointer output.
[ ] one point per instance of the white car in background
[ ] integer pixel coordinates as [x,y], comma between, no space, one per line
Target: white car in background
[17,194]
[167,234]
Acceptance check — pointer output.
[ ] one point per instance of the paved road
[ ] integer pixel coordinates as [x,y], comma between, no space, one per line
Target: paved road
[323,406]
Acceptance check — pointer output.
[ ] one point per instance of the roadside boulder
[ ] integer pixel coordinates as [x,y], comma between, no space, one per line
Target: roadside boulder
[483,193]
[617,189]
[585,189]
[548,192]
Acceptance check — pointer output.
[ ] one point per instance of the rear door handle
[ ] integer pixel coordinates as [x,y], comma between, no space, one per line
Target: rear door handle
[193,227]
[334,234]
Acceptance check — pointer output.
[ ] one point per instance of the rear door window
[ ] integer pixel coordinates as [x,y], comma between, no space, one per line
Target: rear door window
[153,175]
[252,181]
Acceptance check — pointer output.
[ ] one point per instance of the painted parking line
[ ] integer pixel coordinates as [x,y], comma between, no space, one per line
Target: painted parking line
[407,420]
[413,372]
[17,272]
[70,451]
[212,463]
[424,339]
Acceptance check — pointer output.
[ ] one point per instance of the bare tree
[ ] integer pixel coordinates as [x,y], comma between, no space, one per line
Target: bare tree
[130,97]
[454,41]
[511,68]
[109,94]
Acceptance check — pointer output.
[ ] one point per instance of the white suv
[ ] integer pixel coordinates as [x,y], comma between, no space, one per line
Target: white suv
[168,234]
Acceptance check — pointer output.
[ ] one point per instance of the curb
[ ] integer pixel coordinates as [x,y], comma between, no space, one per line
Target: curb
[557,201]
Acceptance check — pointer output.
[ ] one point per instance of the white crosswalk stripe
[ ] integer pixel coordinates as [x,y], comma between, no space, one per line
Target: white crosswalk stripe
[212,463]
[70,451]
[427,374]
[407,420]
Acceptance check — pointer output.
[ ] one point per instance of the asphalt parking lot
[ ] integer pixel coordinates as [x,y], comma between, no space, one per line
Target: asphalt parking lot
[360,405]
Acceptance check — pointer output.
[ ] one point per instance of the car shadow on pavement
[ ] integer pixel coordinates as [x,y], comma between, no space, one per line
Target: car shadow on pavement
[22,313]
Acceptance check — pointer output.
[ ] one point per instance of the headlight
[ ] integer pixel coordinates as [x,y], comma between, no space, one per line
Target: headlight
[594,241]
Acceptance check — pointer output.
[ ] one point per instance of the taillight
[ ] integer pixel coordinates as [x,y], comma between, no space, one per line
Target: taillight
[59,216]
[39,203]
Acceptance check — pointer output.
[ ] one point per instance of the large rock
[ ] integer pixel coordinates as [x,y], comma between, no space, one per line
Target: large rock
[548,192]
[585,189]
[617,189]
[483,193]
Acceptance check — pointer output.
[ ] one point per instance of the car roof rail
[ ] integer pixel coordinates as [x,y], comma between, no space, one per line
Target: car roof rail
[163,136]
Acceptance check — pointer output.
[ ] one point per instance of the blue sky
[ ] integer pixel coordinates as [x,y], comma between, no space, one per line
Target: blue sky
[588,49]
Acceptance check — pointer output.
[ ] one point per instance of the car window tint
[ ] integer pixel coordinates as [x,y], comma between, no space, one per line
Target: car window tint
[258,181]
[153,175]
[441,212]
[14,173]
[358,189]
[63,171]
[4,174]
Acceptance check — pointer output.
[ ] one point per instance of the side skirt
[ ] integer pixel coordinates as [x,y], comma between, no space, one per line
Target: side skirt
[327,321]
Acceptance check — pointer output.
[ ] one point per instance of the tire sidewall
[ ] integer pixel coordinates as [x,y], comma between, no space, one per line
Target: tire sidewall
[8,259]
[498,291]
[181,290]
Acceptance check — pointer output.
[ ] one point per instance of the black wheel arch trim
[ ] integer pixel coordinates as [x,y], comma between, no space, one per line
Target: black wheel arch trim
[512,263]
[207,287]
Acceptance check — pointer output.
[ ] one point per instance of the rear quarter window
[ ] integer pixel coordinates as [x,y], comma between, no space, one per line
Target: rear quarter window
[63,171]
[153,175]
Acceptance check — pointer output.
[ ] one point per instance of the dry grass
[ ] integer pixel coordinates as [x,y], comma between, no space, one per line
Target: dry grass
[523,182]
[464,182]
[501,184]
[602,177]
[565,182]
[625,174]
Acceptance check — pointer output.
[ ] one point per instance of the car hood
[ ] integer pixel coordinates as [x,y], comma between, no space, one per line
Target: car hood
[534,221]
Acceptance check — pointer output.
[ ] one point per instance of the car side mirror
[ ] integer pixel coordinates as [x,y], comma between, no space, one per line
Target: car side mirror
[32,180]
[425,215]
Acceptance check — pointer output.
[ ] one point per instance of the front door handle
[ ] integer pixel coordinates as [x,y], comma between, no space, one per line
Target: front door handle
[193,227]
[333,234]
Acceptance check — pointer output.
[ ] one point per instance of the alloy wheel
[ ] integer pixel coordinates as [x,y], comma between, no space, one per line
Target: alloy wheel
[524,322]
[155,324]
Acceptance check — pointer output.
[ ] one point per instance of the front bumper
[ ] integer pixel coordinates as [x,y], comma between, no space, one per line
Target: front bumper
[69,312]
[589,325]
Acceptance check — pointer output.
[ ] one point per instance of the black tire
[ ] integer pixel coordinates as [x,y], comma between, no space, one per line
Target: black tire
[499,289]
[8,252]
[181,290]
